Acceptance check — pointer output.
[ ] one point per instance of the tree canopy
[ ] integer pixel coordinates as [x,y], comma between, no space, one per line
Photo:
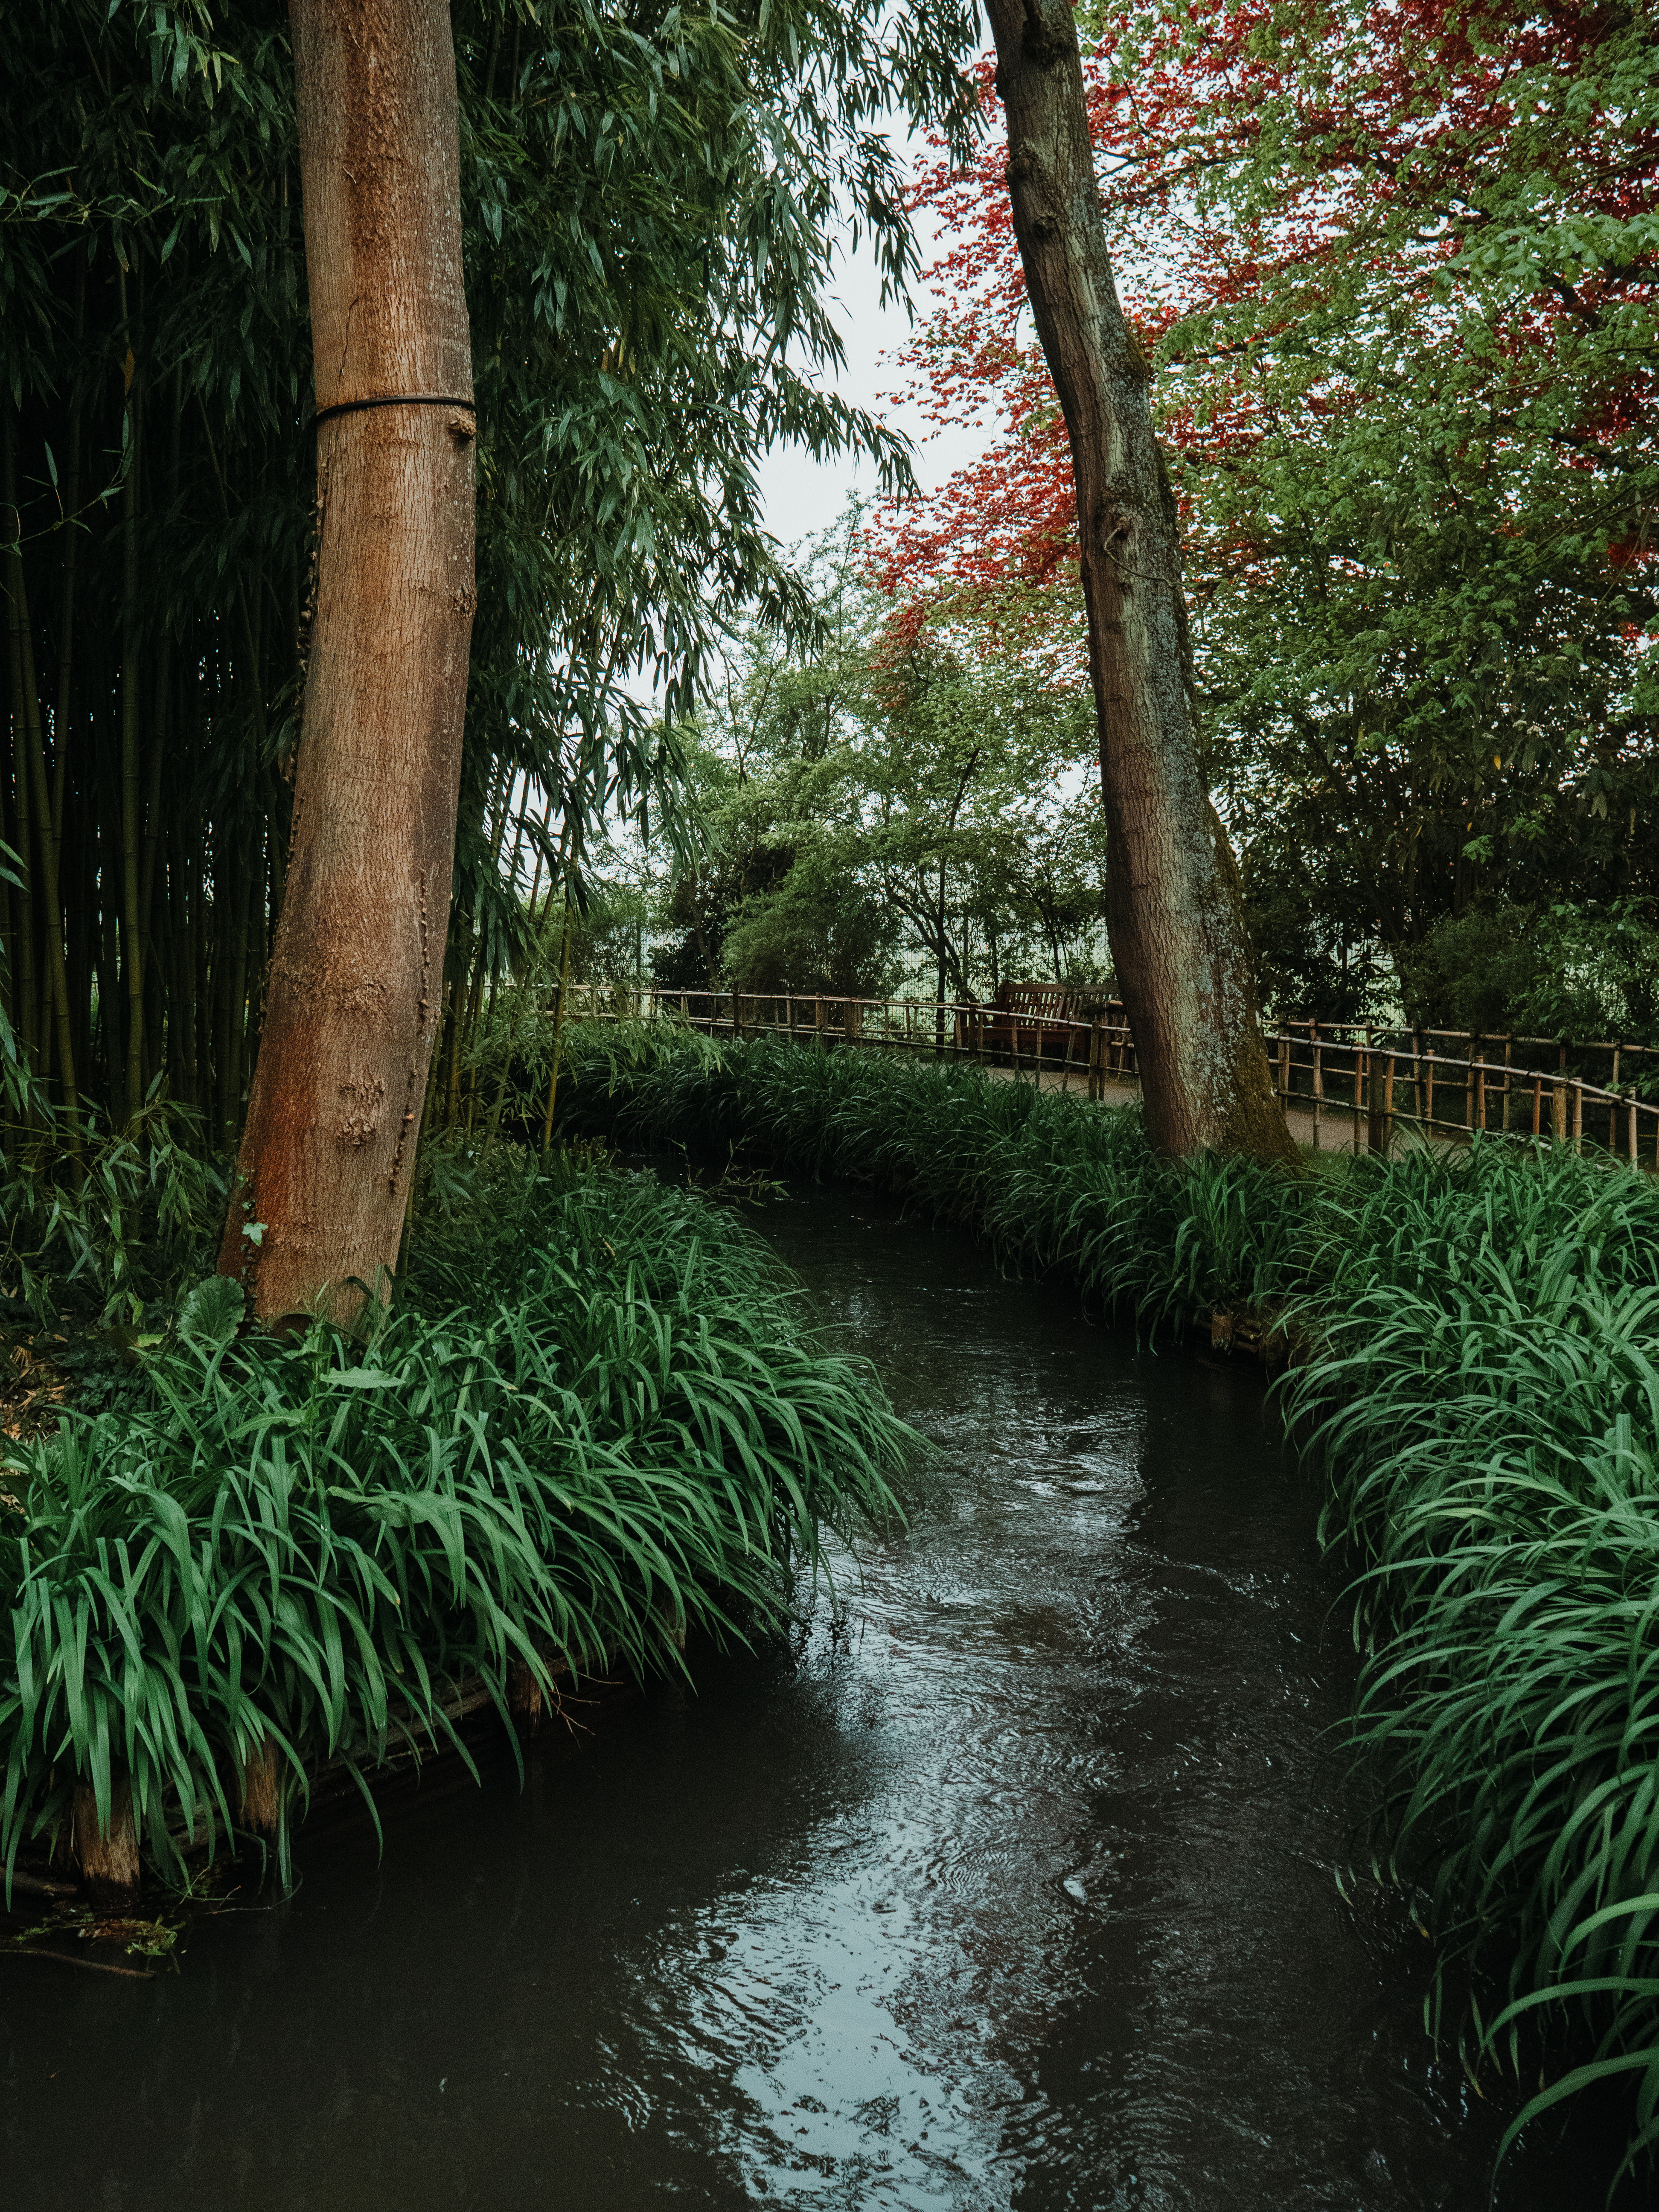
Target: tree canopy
[879,809]
[1396,270]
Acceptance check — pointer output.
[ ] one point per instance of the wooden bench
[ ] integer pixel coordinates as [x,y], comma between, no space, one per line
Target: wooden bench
[1030,1021]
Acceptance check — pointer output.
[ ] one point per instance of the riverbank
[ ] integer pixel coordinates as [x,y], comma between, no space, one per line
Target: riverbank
[1478,1371]
[594,1423]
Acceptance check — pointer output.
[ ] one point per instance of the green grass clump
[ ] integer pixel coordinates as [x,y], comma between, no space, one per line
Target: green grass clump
[1486,1401]
[596,1419]
[1478,1334]
[1047,1185]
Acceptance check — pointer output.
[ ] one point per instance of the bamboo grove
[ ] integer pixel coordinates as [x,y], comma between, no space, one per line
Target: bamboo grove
[646,247]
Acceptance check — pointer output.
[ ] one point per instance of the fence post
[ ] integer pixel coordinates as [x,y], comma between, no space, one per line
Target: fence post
[1577,1115]
[1558,1111]
[1387,1108]
[1379,1100]
[1318,1080]
[1613,1116]
[1361,1064]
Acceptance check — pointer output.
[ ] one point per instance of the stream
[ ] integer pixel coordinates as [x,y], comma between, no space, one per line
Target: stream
[1014,1889]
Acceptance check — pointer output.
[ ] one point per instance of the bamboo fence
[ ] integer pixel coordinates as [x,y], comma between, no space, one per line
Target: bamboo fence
[1355,1082]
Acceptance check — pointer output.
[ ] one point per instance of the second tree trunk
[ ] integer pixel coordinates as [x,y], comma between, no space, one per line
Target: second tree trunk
[1174,910]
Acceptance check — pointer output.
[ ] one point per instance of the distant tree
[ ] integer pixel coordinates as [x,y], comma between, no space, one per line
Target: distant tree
[872,792]
[1553,972]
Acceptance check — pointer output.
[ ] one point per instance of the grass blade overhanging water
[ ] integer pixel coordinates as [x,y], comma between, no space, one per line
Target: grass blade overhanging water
[599,1420]
[1477,1341]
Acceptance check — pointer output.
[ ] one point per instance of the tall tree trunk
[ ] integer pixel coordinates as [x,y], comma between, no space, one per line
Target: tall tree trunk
[355,985]
[1174,908]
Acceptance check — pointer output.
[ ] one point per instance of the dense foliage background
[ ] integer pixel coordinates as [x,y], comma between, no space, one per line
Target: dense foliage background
[1394,271]
[653,204]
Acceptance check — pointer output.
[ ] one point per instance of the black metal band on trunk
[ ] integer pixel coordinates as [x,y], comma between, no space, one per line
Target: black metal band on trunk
[393,399]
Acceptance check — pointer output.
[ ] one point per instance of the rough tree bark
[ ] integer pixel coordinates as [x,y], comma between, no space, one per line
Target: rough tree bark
[354,991]
[1175,911]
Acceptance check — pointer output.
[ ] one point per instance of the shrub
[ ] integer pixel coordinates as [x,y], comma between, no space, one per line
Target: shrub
[597,1418]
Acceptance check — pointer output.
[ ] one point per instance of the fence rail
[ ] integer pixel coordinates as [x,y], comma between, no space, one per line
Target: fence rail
[1354,1083]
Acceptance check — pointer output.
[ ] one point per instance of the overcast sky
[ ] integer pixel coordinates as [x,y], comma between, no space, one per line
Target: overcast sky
[803,496]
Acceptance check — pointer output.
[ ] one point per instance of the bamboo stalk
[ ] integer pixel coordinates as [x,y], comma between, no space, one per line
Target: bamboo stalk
[152,817]
[60,727]
[24,980]
[133,972]
[558,1029]
[531,967]
[237,1021]
[30,762]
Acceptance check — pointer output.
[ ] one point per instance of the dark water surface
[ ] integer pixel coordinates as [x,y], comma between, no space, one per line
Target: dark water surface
[1015,1893]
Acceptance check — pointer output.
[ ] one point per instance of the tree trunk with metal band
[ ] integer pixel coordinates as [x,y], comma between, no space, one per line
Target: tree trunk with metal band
[355,991]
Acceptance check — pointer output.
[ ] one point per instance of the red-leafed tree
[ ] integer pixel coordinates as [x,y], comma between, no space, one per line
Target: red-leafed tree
[1396,267]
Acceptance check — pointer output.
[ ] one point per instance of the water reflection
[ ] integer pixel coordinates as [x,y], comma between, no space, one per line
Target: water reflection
[1015,1893]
